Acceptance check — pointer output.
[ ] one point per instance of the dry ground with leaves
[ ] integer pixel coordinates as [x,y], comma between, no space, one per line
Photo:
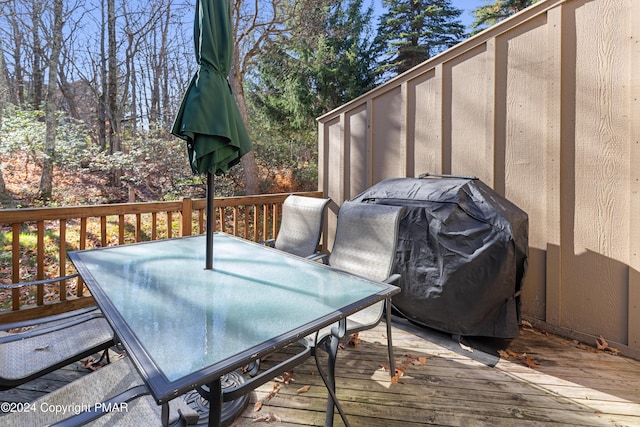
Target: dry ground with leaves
[22,179]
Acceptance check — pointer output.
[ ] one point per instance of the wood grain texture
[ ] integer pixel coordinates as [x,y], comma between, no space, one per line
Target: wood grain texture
[444,384]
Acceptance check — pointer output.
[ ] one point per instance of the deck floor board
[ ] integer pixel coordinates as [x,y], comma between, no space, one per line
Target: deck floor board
[444,384]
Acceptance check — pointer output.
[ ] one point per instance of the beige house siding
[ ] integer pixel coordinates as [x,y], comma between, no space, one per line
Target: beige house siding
[545,108]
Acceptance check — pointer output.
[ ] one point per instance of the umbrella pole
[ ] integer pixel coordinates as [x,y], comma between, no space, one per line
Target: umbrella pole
[210,221]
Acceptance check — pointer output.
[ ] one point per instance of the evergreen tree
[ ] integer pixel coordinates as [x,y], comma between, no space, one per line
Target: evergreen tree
[496,11]
[328,63]
[303,74]
[413,31]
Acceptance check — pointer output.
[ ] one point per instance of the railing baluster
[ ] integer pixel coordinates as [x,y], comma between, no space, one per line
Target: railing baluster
[40,261]
[221,215]
[254,209]
[265,215]
[62,253]
[138,227]
[154,226]
[82,245]
[200,221]
[103,231]
[254,217]
[235,220]
[121,230]
[274,221]
[15,265]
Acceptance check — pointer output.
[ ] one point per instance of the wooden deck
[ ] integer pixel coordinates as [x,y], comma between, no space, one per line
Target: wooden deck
[545,381]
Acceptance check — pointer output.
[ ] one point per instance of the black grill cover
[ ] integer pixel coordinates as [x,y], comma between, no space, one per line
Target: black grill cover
[462,253]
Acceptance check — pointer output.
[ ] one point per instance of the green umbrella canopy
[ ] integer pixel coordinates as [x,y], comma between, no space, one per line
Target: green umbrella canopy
[209,118]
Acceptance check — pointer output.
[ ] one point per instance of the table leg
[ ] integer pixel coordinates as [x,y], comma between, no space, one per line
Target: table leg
[165,415]
[215,403]
[392,361]
[332,352]
[232,406]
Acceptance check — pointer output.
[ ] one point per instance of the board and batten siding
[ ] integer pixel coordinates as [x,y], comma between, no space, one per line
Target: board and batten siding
[545,108]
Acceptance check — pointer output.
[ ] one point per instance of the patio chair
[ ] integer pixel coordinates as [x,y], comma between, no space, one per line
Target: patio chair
[301,226]
[113,395]
[365,244]
[32,348]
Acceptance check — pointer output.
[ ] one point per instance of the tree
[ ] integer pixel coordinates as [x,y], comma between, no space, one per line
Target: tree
[413,31]
[302,74]
[50,107]
[15,37]
[496,11]
[4,89]
[254,24]
[308,72]
[36,9]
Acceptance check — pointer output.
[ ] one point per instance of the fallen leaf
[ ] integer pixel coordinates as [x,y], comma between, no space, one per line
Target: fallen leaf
[42,348]
[354,340]
[528,360]
[303,389]
[276,389]
[91,364]
[613,350]
[287,377]
[526,324]
[20,330]
[504,354]
[268,418]
[601,343]
[257,406]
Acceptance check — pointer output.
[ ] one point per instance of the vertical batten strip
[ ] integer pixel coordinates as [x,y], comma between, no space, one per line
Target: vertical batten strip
[634,178]
[405,134]
[345,177]
[369,143]
[444,74]
[555,129]
[497,57]
[491,86]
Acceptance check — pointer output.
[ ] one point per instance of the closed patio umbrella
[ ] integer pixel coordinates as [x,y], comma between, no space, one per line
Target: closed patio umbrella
[209,119]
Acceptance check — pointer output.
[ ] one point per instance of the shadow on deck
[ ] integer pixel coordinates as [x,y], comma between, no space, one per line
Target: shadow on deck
[546,380]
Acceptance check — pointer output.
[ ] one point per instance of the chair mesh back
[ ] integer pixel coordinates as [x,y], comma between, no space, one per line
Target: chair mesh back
[301,225]
[366,239]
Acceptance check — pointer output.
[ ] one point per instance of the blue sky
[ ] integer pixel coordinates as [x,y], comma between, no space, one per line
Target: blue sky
[467,6]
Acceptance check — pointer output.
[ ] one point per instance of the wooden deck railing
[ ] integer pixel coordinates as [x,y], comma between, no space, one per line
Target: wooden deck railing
[34,241]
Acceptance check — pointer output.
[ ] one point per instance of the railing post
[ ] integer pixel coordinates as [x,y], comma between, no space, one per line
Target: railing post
[187,210]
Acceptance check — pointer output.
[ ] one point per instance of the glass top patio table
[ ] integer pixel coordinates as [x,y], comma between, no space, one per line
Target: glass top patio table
[185,326]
